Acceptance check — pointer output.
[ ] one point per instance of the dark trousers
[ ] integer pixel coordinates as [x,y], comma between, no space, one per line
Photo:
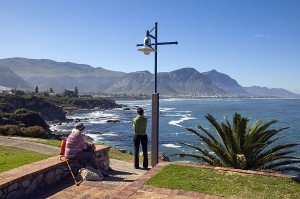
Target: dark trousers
[137,140]
[87,155]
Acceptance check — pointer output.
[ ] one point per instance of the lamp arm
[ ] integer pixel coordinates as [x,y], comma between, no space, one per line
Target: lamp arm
[160,43]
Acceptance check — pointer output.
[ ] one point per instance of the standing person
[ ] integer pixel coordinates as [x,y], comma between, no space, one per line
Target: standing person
[78,149]
[140,137]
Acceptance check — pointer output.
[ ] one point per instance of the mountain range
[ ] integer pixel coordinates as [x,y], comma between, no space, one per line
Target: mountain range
[26,74]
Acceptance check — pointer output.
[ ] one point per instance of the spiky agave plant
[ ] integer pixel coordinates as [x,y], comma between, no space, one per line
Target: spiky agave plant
[244,147]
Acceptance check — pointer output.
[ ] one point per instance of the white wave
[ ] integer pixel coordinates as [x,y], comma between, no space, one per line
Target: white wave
[92,121]
[175,123]
[172,99]
[102,114]
[110,134]
[171,145]
[96,137]
[183,111]
[94,115]
[166,109]
[184,118]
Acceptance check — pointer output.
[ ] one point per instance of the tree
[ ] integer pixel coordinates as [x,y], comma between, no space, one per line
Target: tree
[19,92]
[244,147]
[36,89]
[76,92]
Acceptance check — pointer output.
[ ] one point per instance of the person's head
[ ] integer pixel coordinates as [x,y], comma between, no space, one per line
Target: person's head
[79,126]
[140,111]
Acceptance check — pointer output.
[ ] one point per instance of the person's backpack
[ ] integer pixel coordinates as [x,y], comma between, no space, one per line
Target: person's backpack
[63,147]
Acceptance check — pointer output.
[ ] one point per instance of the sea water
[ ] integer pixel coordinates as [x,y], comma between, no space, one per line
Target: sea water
[178,114]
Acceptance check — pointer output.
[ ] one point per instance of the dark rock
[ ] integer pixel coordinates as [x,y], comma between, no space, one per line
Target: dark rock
[113,121]
[77,120]
[122,150]
[164,157]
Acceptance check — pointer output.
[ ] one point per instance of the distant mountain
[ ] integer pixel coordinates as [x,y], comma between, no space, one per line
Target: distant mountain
[133,83]
[188,81]
[273,92]
[9,79]
[61,75]
[225,82]
[46,74]
[183,81]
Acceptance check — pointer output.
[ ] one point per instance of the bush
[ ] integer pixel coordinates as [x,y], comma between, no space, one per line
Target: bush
[30,118]
[35,131]
[11,130]
[32,131]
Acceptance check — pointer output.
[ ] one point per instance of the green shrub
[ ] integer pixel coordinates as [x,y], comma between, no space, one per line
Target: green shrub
[35,131]
[5,115]
[11,130]
[3,131]
[30,118]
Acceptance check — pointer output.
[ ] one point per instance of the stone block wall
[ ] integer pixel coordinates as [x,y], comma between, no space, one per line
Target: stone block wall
[21,181]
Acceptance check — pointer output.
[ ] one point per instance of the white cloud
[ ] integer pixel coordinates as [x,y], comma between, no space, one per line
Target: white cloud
[258,35]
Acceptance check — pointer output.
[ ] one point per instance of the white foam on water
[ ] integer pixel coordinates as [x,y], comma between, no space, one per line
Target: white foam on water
[94,115]
[110,134]
[171,145]
[97,121]
[102,114]
[95,137]
[184,118]
[175,123]
[166,109]
[172,99]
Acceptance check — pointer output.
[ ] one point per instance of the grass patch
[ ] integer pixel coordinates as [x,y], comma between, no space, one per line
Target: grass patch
[117,154]
[12,157]
[222,183]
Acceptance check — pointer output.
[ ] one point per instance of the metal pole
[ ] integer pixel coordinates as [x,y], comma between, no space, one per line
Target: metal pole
[155,111]
[155,59]
[155,125]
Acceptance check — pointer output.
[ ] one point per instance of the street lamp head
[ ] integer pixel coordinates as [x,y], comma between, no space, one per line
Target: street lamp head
[147,49]
[147,41]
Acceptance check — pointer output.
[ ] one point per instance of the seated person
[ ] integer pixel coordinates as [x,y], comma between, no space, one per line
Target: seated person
[78,149]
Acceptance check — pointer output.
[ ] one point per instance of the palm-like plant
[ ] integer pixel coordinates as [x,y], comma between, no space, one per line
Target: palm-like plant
[244,147]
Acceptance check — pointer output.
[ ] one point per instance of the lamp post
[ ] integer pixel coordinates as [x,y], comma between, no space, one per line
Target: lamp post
[147,49]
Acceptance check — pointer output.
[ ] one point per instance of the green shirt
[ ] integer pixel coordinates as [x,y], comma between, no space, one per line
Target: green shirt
[140,125]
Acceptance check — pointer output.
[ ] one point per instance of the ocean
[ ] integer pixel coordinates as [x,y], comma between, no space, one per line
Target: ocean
[178,114]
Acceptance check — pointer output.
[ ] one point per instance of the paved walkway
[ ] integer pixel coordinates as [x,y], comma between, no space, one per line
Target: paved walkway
[28,144]
[124,180]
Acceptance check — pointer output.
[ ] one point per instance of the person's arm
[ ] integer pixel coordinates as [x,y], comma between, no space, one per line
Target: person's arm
[133,125]
[83,144]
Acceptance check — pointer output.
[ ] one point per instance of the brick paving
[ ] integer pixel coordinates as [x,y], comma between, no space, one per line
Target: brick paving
[124,182]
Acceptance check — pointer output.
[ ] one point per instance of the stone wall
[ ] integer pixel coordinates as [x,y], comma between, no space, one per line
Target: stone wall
[21,181]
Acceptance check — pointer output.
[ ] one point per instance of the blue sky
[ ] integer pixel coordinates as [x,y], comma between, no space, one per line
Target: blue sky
[256,42]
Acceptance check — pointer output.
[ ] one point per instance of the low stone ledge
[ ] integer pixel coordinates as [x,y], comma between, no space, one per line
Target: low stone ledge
[19,182]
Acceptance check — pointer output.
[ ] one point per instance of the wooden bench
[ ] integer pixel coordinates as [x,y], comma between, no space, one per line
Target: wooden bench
[18,182]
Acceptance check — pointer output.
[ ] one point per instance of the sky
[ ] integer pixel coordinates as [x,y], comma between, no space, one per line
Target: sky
[256,42]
